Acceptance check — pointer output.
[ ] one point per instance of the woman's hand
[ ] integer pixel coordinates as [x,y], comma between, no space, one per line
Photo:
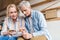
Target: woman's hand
[12,32]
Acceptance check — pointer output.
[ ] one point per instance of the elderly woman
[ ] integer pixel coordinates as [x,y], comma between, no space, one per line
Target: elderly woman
[12,24]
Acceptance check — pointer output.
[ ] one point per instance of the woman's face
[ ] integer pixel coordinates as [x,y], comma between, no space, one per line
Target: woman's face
[12,12]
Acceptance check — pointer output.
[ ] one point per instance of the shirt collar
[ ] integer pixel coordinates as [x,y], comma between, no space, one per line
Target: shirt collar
[31,13]
[12,20]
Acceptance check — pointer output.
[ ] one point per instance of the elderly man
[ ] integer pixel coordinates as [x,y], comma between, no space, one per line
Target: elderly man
[35,22]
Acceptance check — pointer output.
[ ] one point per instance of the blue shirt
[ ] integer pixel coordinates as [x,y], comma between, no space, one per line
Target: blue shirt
[38,24]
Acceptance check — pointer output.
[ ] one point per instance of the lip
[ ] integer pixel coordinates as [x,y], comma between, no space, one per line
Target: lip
[13,16]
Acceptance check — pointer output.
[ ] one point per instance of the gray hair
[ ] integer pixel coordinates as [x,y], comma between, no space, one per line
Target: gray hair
[26,3]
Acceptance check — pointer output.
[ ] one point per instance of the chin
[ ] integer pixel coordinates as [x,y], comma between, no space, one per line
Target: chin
[27,15]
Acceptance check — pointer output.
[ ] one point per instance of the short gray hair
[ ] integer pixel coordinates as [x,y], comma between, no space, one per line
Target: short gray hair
[26,3]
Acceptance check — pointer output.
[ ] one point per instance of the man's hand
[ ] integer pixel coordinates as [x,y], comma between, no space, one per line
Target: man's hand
[22,29]
[26,35]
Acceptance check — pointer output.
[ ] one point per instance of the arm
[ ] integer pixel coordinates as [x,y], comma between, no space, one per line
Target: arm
[42,24]
[4,28]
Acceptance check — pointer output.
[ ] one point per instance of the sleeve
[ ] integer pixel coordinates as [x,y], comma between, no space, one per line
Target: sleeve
[42,25]
[4,28]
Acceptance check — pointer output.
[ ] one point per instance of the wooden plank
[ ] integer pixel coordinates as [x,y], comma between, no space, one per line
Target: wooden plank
[4,3]
[41,3]
[51,14]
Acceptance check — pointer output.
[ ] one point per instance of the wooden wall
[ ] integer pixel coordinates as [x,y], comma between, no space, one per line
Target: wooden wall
[4,3]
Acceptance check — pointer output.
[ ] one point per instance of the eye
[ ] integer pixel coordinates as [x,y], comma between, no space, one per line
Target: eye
[24,10]
[15,11]
[11,12]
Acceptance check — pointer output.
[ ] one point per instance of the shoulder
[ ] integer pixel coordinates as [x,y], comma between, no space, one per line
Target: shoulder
[6,19]
[37,13]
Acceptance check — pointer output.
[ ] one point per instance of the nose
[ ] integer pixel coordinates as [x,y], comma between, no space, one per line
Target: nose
[24,12]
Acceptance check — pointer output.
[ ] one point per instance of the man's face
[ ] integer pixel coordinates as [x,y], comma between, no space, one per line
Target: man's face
[26,10]
[13,12]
